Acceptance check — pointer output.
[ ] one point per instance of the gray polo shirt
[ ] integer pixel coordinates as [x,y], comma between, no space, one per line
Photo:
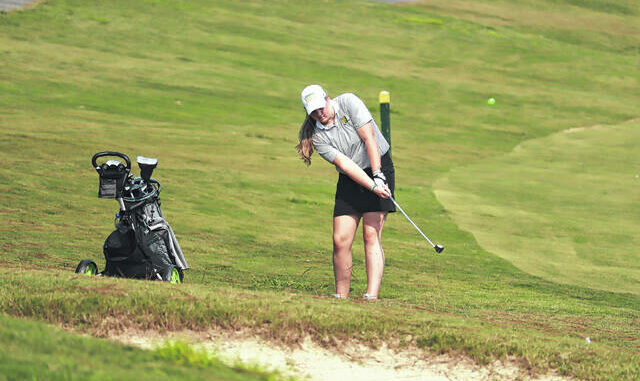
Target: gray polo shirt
[342,136]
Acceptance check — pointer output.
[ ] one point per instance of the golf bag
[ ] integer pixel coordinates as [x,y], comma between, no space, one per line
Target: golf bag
[143,244]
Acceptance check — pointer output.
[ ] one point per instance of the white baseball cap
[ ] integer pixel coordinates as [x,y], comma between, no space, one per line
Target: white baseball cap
[313,98]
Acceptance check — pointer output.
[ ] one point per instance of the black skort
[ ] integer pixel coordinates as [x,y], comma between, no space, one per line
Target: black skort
[352,198]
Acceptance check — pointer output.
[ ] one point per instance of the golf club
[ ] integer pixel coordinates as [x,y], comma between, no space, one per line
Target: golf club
[438,248]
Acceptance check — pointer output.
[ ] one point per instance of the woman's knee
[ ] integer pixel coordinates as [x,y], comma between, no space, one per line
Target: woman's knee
[370,234]
[344,230]
[372,227]
[342,240]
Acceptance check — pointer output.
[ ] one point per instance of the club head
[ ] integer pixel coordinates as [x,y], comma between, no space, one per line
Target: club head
[438,248]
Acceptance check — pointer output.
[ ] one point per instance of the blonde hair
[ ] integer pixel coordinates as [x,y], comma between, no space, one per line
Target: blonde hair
[305,145]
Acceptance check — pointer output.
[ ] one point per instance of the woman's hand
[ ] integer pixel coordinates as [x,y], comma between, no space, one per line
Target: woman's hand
[380,181]
[359,176]
[382,191]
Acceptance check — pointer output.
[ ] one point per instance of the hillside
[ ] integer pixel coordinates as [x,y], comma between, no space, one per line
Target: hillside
[538,224]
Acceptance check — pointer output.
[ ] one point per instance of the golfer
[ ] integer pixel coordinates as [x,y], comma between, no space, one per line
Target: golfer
[344,133]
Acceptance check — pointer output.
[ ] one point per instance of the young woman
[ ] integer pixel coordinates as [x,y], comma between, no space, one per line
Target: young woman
[344,133]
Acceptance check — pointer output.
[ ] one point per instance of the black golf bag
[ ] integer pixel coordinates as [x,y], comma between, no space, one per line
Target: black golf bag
[143,245]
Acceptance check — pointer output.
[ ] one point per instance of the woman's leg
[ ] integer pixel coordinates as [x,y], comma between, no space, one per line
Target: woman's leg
[344,230]
[372,224]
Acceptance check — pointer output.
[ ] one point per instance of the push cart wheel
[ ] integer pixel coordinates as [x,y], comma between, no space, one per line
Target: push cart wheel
[87,267]
[172,275]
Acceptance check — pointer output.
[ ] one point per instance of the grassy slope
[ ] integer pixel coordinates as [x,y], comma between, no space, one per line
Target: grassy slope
[564,207]
[212,90]
[33,351]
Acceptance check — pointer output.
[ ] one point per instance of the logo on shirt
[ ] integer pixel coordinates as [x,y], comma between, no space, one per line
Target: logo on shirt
[344,120]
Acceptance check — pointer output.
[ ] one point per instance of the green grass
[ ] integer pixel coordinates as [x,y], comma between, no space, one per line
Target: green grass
[564,207]
[184,353]
[212,89]
[33,351]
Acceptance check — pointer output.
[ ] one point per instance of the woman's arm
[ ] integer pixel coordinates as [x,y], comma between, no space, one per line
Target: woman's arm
[351,169]
[370,143]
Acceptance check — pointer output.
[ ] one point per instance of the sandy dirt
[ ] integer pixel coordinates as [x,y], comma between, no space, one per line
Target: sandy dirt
[356,362]
[10,5]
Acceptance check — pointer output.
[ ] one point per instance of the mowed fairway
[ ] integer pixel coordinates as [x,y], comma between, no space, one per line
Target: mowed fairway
[212,89]
[565,207]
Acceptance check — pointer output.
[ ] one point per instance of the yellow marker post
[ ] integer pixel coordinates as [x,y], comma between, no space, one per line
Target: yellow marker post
[385,121]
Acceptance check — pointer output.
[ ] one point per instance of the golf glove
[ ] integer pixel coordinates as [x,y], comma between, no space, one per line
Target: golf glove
[379,178]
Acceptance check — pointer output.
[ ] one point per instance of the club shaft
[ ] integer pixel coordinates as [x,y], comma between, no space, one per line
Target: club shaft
[412,223]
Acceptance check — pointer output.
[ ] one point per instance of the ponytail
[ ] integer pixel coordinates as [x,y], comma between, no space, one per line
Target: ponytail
[305,146]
